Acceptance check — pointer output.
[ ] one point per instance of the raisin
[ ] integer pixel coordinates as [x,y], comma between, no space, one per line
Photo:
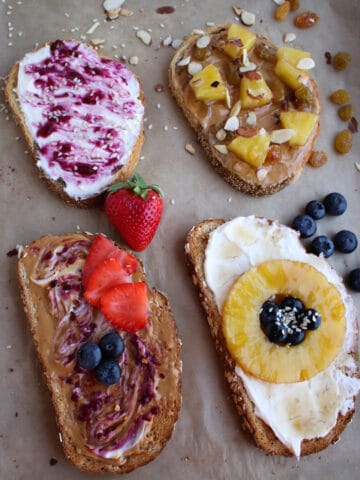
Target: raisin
[282,11]
[343,141]
[318,159]
[265,52]
[340,96]
[306,20]
[353,125]
[294,4]
[346,112]
[273,154]
[304,93]
[341,60]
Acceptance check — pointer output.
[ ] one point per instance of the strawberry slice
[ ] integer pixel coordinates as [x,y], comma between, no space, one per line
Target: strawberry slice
[102,248]
[106,275]
[126,306]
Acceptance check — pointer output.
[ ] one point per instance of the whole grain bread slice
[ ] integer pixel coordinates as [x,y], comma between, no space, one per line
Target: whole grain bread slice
[247,181]
[57,185]
[258,431]
[167,404]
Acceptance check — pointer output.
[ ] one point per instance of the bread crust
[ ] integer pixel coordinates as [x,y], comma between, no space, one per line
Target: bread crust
[258,431]
[163,423]
[214,157]
[57,186]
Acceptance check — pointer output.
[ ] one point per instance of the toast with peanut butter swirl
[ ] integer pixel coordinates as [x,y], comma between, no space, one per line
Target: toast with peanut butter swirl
[254,107]
[116,401]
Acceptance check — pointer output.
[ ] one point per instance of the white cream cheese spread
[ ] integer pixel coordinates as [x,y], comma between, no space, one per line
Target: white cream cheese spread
[294,411]
[83,111]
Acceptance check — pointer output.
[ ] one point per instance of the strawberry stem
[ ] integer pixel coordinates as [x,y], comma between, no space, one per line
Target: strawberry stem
[138,185]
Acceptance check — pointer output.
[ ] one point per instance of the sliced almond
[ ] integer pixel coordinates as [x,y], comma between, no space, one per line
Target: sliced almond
[190,149]
[97,41]
[134,60]
[247,18]
[279,2]
[289,37]
[194,68]
[228,98]
[251,119]
[167,40]
[221,135]
[237,10]
[262,131]
[144,36]
[221,148]
[234,112]
[248,68]
[232,124]
[93,27]
[245,58]
[198,31]
[203,42]
[357,166]
[255,93]
[282,135]
[185,61]
[261,173]
[176,43]
[305,64]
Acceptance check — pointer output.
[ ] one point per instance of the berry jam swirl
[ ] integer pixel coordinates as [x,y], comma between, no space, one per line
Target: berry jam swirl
[110,419]
[84,113]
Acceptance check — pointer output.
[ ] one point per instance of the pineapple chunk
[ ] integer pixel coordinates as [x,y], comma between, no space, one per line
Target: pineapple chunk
[302,122]
[291,55]
[289,74]
[207,85]
[250,347]
[252,150]
[254,93]
[247,39]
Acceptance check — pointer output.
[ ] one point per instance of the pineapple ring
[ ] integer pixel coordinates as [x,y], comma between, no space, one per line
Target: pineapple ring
[250,347]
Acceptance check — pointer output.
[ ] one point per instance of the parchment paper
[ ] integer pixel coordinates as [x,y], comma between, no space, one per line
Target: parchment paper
[207,442]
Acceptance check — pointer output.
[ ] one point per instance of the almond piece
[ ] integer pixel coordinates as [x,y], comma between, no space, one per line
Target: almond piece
[305,64]
[232,124]
[176,43]
[221,135]
[134,60]
[282,135]
[247,18]
[234,112]
[251,119]
[194,68]
[357,166]
[237,10]
[289,37]
[261,173]
[185,61]
[221,148]
[167,41]
[144,36]
[228,98]
[112,8]
[203,42]
[190,149]
[248,68]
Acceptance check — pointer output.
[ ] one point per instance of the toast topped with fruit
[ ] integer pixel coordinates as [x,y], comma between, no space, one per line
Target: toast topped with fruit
[254,107]
[82,117]
[108,346]
[285,329]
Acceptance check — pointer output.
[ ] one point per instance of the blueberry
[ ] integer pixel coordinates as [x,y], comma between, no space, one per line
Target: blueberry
[322,244]
[310,319]
[111,346]
[315,209]
[268,313]
[335,203]
[345,241]
[305,225]
[295,336]
[276,332]
[354,279]
[292,303]
[88,356]
[108,372]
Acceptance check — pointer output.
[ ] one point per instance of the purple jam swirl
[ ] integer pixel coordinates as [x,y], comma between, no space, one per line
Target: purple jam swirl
[84,113]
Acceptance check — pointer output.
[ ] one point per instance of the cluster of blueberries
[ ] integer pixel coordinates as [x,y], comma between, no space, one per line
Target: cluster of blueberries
[287,323]
[102,357]
[344,241]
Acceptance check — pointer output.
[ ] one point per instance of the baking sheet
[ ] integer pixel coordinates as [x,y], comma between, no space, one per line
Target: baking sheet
[208,442]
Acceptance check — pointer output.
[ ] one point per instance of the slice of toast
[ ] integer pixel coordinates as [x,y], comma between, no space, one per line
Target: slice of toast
[81,114]
[259,431]
[284,162]
[114,428]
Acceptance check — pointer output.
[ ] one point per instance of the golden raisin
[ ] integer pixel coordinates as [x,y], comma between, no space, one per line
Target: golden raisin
[232,74]
[200,53]
[341,60]
[273,154]
[282,11]
[318,159]
[294,4]
[304,93]
[278,89]
[343,141]
[340,96]
[306,20]
[346,112]
[265,52]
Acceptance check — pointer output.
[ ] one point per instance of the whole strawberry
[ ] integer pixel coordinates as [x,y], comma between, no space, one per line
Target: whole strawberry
[135,208]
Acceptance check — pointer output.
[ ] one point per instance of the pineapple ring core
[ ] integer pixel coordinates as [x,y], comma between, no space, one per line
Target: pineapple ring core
[250,347]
